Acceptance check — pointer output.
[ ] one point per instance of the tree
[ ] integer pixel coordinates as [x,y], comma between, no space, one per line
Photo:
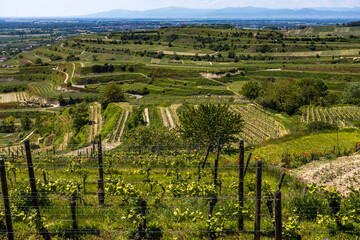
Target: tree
[25,122]
[282,96]
[38,61]
[312,90]
[251,89]
[112,93]
[148,137]
[209,122]
[80,116]
[10,124]
[231,54]
[61,100]
[352,90]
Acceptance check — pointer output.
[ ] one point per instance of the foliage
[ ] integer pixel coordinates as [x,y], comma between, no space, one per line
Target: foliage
[282,96]
[307,207]
[103,69]
[149,137]
[251,89]
[312,90]
[112,93]
[318,126]
[209,122]
[25,122]
[352,90]
[136,118]
[80,116]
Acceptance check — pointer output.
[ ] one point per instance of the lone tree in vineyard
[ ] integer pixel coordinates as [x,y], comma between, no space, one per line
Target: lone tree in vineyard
[112,93]
[209,122]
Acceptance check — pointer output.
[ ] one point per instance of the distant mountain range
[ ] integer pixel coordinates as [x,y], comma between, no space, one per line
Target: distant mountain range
[231,13]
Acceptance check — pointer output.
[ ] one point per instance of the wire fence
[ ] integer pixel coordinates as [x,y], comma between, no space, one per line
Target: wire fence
[165,191]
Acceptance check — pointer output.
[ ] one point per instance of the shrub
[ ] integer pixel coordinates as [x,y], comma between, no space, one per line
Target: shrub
[318,126]
[306,207]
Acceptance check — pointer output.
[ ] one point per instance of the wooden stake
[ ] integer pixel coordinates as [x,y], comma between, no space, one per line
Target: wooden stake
[5,196]
[247,163]
[217,164]
[258,200]
[278,223]
[73,212]
[34,194]
[101,193]
[281,181]
[241,185]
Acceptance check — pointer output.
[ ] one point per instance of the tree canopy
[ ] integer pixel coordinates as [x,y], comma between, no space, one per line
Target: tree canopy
[149,137]
[251,89]
[112,93]
[80,116]
[208,122]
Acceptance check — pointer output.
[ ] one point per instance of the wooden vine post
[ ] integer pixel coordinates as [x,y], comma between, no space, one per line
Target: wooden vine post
[101,193]
[258,200]
[5,196]
[73,212]
[241,185]
[34,194]
[278,223]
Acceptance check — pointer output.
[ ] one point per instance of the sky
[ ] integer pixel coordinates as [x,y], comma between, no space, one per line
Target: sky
[67,8]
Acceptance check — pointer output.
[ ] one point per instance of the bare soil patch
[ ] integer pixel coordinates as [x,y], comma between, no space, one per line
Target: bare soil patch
[340,173]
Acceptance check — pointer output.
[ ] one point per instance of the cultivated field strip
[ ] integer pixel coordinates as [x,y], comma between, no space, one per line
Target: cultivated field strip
[174,114]
[112,137]
[96,121]
[259,126]
[169,116]
[13,97]
[120,127]
[332,115]
[164,117]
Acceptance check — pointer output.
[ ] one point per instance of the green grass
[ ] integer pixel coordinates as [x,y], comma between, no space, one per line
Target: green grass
[306,143]
[110,116]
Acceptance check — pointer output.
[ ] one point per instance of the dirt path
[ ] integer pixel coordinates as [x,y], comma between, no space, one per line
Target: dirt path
[173,109]
[184,53]
[27,136]
[73,71]
[66,74]
[146,116]
[340,173]
[163,117]
[171,122]
[105,147]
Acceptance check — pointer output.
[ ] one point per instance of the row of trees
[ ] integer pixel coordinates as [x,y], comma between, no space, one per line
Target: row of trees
[289,96]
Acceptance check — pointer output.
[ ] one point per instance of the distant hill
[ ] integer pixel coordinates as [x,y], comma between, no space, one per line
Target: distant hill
[232,13]
[323,31]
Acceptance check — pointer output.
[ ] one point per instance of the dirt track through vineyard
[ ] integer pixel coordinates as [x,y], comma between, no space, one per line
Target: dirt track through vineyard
[171,121]
[163,117]
[146,116]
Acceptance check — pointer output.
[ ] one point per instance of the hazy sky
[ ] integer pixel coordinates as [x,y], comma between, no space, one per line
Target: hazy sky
[52,8]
